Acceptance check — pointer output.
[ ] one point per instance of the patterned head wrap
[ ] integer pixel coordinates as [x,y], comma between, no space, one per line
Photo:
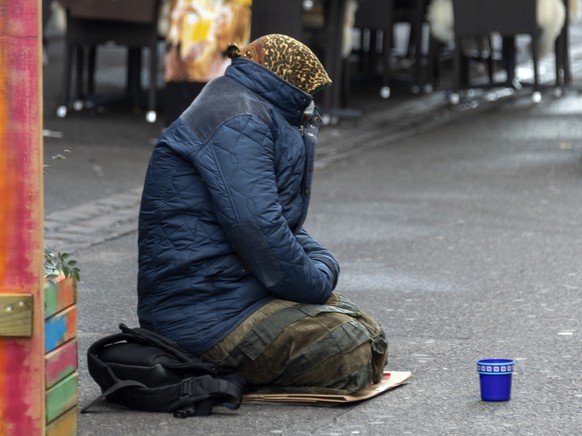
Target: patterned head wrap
[288,58]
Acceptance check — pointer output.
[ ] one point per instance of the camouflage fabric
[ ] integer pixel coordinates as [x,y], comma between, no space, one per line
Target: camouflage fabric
[284,346]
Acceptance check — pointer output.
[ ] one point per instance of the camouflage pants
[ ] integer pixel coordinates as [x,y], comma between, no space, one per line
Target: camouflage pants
[292,347]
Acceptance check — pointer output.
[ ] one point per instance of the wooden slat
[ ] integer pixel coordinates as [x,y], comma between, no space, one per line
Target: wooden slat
[60,328]
[62,397]
[61,362]
[64,425]
[16,315]
[59,294]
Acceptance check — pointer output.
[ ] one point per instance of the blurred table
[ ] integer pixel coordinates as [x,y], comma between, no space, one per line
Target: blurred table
[91,23]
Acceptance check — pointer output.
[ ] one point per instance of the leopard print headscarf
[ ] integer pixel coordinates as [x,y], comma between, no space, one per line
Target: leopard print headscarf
[288,58]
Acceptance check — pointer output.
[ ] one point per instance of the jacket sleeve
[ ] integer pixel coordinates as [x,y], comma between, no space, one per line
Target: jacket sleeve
[239,170]
[320,255]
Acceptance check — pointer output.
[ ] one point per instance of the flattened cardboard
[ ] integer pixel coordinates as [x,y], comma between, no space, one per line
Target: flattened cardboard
[390,380]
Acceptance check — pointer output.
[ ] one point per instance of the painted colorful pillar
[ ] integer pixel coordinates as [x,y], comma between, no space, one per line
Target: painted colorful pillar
[24,363]
[21,267]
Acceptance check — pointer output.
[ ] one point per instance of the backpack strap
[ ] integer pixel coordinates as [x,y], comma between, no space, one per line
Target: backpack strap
[197,394]
[112,389]
[154,339]
[217,391]
[187,360]
[224,392]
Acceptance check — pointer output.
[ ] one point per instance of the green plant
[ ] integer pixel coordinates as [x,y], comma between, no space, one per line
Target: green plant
[56,264]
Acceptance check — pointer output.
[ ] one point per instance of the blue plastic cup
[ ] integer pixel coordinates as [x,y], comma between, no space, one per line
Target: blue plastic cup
[495,378]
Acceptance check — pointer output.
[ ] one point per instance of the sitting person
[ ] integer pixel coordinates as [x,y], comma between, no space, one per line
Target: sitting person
[550,16]
[226,268]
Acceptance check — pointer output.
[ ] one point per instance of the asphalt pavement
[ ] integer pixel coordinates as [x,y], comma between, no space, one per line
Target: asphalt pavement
[459,228]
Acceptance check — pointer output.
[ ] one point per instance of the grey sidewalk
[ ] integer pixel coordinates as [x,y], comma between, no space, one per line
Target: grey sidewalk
[458,229]
[464,241]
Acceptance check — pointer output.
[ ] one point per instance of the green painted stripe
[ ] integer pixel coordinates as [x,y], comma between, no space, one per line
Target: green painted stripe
[62,396]
[51,298]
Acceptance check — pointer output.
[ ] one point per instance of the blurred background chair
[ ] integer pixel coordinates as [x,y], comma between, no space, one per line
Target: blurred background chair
[277,17]
[376,20]
[91,23]
[361,41]
[482,18]
[327,27]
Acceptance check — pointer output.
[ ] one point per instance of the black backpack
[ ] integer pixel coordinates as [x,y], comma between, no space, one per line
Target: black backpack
[143,370]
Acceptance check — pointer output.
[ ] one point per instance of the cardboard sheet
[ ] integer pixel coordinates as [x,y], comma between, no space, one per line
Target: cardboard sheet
[390,380]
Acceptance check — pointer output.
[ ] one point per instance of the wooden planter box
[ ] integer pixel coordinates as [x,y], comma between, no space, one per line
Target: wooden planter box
[61,363]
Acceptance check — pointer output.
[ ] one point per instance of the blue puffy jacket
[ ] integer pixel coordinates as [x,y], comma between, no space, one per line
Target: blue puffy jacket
[225,197]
